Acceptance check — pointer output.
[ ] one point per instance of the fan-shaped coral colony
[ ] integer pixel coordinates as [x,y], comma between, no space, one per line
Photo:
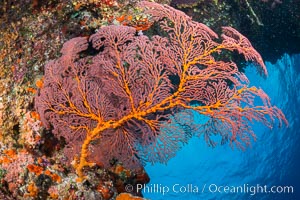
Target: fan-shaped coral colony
[135,97]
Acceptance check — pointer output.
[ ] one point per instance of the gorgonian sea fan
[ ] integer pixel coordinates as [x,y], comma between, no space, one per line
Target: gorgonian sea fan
[124,104]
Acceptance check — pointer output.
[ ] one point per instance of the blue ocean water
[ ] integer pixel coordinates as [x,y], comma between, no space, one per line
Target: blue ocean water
[198,171]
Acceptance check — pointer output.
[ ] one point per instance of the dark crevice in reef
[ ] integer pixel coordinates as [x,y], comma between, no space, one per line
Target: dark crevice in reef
[272,27]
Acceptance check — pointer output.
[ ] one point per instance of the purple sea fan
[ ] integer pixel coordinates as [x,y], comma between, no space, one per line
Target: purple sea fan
[134,99]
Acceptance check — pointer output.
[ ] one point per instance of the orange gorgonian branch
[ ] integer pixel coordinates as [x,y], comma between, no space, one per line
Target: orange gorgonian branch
[134,99]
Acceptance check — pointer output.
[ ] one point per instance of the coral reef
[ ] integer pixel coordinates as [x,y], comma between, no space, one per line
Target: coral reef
[121,104]
[32,32]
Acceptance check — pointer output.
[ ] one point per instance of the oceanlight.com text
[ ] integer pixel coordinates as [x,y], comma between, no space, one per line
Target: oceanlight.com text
[210,188]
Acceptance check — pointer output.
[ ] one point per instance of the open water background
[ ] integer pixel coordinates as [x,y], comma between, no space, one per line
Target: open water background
[273,160]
